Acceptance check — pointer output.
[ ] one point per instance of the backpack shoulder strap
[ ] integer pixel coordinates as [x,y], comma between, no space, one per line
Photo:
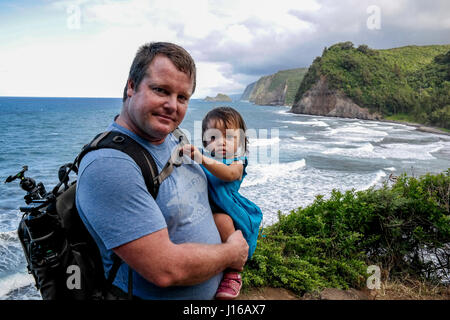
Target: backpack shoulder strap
[175,159]
[124,143]
[180,136]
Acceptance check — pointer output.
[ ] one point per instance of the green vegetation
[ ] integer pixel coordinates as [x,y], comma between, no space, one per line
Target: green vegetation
[270,89]
[330,243]
[401,117]
[412,80]
[292,78]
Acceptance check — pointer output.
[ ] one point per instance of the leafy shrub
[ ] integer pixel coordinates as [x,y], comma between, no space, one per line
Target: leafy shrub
[405,229]
[366,50]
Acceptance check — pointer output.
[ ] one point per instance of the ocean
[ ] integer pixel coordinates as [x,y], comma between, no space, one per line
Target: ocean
[293,158]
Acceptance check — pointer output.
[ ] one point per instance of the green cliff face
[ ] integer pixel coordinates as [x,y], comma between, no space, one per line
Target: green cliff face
[248,90]
[411,82]
[276,89]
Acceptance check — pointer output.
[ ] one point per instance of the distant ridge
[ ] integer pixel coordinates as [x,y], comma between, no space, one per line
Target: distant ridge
[220,97]
[275,89]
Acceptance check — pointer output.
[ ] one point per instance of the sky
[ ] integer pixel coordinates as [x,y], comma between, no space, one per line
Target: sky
[84,48]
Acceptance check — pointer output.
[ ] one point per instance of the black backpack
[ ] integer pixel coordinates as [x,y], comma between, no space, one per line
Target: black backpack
[61,254]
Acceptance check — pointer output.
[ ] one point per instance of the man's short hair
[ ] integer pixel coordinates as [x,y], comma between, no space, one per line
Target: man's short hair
[145,55]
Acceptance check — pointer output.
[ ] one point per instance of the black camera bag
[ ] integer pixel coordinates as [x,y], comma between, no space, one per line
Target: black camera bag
[61,254]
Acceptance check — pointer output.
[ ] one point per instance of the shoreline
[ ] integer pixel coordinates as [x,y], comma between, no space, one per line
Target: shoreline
[418,126]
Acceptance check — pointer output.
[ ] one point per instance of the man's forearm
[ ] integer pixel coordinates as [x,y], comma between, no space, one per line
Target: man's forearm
[164,263]
[200,262]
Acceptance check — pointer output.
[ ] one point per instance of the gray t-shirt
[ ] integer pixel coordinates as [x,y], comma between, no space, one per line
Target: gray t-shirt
[116,207]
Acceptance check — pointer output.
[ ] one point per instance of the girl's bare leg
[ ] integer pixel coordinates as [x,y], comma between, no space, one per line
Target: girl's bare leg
[231,283]
[224,224]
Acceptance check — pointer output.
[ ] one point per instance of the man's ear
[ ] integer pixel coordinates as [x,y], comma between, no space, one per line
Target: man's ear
[130,87]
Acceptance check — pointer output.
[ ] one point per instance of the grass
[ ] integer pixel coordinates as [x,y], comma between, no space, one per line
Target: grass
[411,289]
[401,117]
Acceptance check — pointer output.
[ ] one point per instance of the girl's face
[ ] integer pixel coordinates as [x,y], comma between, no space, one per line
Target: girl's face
[224,143]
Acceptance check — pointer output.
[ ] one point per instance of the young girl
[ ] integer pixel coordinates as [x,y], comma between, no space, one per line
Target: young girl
[223,132]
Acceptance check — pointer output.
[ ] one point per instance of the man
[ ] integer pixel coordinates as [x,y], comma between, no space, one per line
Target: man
[171,244]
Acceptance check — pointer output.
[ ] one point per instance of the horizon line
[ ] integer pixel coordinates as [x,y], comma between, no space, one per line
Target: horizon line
[64,97]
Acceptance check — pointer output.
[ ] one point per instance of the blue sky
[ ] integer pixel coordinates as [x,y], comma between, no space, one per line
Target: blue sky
[83,48]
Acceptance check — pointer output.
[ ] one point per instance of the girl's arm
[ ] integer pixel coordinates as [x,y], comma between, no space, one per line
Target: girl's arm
[218,169]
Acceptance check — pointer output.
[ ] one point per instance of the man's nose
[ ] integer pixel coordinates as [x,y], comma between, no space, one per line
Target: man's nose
[171,103]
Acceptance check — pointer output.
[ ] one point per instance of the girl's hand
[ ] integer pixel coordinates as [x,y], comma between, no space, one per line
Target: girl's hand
[193,153]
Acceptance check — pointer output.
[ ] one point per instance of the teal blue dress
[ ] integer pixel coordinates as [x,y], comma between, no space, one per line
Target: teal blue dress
[224,197]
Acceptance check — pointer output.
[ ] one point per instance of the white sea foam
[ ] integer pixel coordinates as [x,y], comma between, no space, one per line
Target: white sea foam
[410,151]
[390,169]
[354,133]
[284,112]
[365,151]
[299,188]
[368,147]
[263,142]
[313,122]
[320,124]
[379,175]
[11,255]
[300,138]
[13,282]
[358,131]
[262,173]
[390,151]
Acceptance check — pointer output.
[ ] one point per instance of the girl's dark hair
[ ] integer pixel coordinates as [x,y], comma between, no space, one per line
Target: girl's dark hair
[229,118]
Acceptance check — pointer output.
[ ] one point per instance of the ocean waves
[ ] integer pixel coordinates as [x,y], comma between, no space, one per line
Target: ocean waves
[14,278]
[263,173]
[390,151]
[295,184]
[316,155]
[365,140]
[11,253]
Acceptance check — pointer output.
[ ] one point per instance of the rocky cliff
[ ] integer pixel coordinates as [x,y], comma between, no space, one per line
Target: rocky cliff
[411,82]
[248,90]
[275,89]
[322,101]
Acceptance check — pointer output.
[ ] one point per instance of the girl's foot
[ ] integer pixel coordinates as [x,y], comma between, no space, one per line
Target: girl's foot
[230,286]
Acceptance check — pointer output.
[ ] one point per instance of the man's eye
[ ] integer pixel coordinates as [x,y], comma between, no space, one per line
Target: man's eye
[159,90]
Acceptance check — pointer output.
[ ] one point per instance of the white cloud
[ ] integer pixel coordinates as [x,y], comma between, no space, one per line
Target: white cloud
[232,41]
[97,63]
[215,78]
